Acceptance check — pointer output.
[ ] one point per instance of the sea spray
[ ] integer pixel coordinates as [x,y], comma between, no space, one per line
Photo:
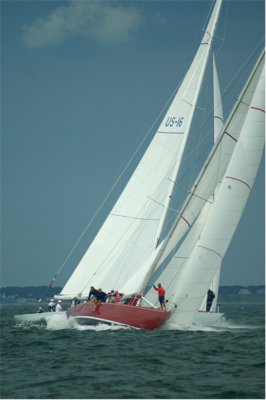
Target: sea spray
[61,321]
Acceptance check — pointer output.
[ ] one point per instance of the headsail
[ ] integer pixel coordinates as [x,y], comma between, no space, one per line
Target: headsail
[128,237]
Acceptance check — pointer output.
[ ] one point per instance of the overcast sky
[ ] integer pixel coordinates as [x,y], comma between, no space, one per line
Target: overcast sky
[82,82]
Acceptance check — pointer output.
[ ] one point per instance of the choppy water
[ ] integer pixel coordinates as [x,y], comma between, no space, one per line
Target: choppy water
[72,362]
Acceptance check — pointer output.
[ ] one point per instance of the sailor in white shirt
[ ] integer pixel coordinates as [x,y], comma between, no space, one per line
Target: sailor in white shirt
[58,307]
[51,305]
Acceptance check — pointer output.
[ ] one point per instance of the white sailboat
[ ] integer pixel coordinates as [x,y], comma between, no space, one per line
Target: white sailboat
[130,249]
[204,261]
[127,241]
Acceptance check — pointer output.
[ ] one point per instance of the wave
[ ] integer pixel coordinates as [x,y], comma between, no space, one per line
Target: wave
[62,322]
[223,325]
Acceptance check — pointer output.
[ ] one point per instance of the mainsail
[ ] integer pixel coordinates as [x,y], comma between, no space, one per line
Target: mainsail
[204,261]
[212,171]
[128,238]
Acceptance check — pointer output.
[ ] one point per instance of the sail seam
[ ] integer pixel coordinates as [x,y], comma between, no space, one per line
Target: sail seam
[187,102]
[239,180]
[202,198]
[155,201]
[181,258]
[171,133]
[137,218]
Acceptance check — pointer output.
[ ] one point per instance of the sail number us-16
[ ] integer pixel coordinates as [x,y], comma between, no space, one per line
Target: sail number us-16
[174,121]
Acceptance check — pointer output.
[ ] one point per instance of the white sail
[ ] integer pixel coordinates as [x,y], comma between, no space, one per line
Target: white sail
[129,235]
[171,271]
[217,104]
[170,274]
[218,127]
[212,171]
[224,216]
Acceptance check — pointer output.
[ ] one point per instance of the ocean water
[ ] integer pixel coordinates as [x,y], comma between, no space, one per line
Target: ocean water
[66,361]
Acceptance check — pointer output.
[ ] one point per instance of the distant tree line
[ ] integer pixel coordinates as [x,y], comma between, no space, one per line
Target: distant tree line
[238,293]
[29,292]
[238,290]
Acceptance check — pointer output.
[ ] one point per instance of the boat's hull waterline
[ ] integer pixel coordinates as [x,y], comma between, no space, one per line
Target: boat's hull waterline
[201,319]
[119,314]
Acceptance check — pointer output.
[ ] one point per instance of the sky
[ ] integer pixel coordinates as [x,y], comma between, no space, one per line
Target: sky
[82,82]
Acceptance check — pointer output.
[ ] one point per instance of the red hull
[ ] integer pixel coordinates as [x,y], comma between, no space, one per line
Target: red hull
[121,314]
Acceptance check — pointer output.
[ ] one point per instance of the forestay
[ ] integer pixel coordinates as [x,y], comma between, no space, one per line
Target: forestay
[129,236]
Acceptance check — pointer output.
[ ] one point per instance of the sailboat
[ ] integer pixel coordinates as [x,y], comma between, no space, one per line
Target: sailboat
[131,250]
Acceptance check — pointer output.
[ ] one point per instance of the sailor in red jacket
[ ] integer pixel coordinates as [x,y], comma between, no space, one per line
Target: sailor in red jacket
[161,293]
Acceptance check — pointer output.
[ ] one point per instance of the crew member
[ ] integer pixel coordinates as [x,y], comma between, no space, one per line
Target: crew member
[58,307]
[98,295]
[51,305]
[210,297]
[161,294]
